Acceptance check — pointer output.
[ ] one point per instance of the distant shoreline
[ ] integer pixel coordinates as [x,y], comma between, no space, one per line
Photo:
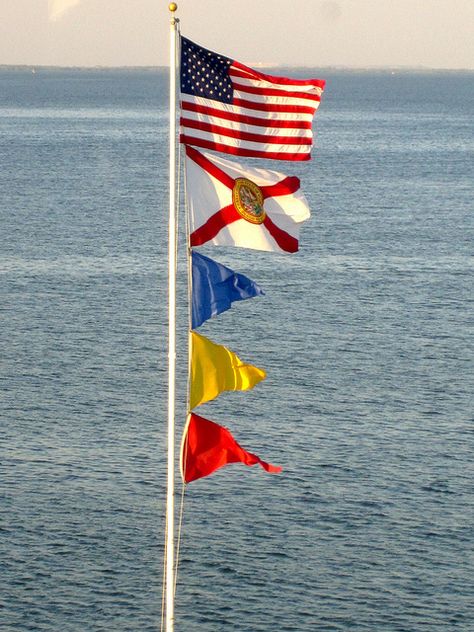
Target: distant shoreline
[346,69]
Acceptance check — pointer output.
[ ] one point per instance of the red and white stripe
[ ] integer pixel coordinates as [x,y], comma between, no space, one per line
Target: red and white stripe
[270,117]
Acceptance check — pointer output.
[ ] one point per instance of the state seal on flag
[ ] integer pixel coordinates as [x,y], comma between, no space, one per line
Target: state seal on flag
[247,198]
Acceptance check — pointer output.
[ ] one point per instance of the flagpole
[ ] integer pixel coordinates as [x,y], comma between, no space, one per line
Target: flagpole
[172,264]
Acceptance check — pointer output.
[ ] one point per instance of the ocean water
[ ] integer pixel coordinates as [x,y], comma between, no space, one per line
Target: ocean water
[366,335]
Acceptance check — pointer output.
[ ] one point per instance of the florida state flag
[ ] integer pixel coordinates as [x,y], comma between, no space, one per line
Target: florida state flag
[207,446]
[232,205]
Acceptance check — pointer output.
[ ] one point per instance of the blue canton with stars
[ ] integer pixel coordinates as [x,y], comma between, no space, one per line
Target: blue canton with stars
[204,73]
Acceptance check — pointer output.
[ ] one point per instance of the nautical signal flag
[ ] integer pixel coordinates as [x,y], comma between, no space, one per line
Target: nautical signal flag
[232,205]
[215,287]
[207,446]
[215,369]
[228,107]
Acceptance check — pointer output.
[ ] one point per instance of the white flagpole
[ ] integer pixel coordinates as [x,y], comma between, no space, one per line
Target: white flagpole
[172,262]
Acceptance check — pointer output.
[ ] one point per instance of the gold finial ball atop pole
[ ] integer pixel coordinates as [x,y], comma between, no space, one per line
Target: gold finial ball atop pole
[172,6]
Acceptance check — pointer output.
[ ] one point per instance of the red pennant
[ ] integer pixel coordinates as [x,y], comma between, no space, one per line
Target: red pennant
[207,446]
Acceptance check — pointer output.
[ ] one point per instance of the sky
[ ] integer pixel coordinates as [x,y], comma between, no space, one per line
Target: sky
[316,33]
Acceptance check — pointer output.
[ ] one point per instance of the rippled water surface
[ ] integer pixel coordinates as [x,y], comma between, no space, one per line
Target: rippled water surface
[366,335]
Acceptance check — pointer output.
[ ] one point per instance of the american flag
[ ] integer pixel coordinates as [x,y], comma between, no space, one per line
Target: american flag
[231,108]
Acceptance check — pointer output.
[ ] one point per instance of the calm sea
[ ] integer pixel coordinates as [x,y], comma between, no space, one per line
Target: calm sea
[366,335]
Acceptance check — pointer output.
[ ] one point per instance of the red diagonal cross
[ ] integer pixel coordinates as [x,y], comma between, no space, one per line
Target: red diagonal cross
[229,214]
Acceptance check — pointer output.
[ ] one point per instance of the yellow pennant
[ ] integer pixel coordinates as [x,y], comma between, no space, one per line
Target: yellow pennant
[215,368]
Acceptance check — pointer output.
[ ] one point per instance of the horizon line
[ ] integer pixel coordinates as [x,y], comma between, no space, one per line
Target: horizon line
[255,65]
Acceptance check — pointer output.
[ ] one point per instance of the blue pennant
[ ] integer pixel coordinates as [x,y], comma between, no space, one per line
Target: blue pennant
[216,287]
